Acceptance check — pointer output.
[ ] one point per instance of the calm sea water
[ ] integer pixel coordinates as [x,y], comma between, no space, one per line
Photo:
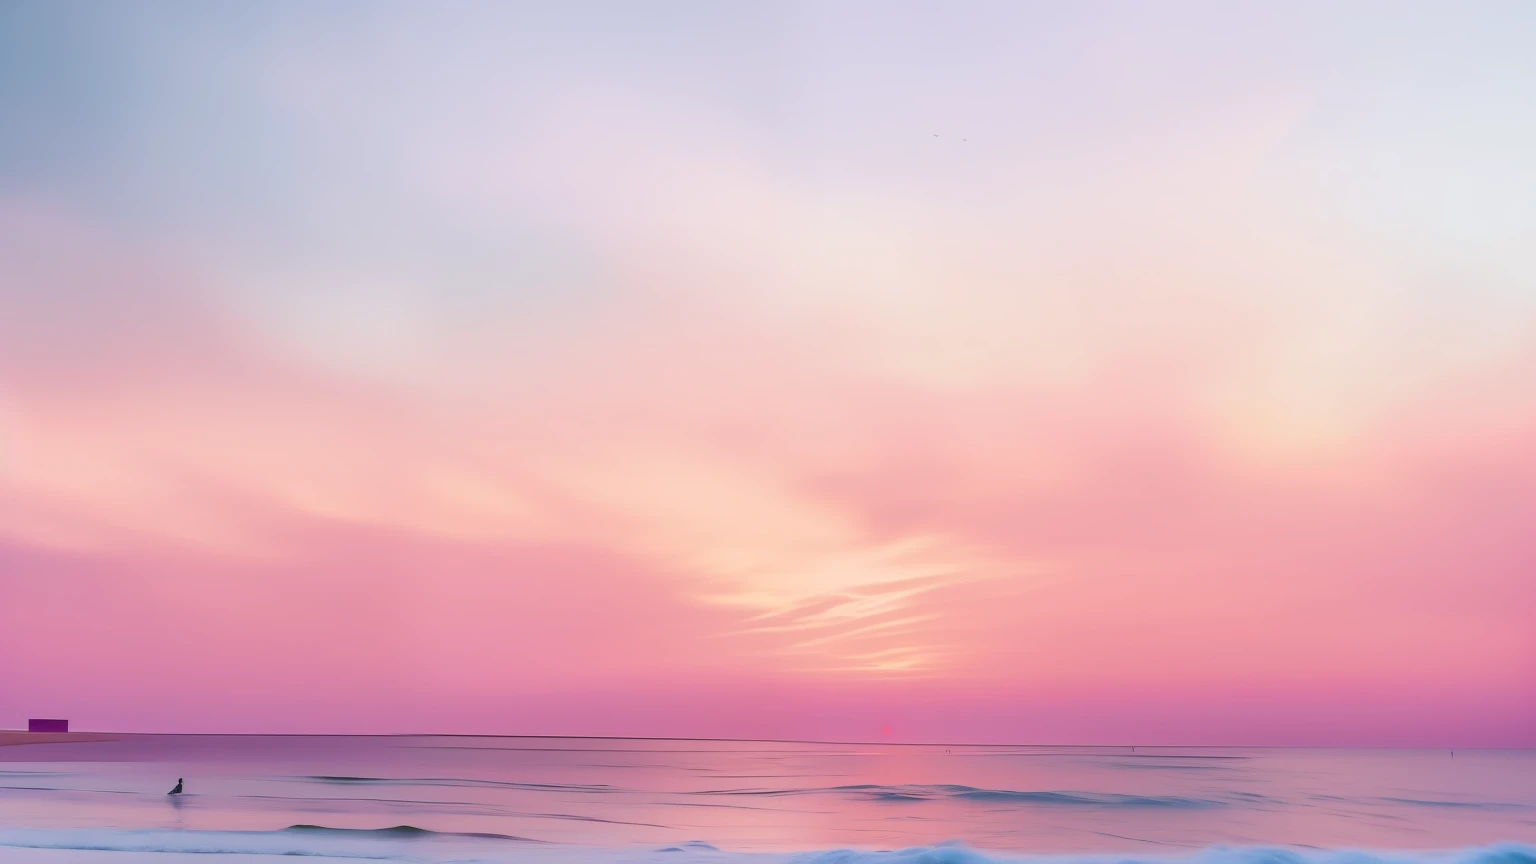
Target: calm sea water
[512,799]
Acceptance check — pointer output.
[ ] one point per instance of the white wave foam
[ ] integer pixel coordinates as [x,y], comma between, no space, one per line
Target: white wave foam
[428,847]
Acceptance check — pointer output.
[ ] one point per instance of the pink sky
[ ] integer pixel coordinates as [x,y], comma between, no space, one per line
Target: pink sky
[349,381]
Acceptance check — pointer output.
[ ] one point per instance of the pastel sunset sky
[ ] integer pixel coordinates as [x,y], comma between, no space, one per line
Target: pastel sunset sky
[1062,372]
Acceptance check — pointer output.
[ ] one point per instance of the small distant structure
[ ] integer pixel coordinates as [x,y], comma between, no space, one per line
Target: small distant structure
[47,725]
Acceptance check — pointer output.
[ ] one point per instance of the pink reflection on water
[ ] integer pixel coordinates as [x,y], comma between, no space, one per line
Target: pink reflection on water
[772,795]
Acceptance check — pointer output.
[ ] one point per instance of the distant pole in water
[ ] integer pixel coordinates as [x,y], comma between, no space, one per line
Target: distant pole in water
[177,790]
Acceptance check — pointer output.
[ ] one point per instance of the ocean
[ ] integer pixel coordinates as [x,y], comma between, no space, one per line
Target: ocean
[441,799]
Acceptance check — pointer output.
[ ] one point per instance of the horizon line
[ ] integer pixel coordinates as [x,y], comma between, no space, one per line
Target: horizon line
[765,740]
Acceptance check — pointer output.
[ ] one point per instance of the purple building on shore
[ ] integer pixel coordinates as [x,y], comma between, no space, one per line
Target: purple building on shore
[47,725]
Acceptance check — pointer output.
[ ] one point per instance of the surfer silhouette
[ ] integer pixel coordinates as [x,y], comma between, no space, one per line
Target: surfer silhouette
[177,790]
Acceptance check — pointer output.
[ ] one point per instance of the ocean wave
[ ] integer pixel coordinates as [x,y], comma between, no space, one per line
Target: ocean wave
[296,840]
[1155,766]
[409,843]
[942,791]
[958,853]
[399,832]
[1424,802]
[457,782]
[865,791]
[1465,805]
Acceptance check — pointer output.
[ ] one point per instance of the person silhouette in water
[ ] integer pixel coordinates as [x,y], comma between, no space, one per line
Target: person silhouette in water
[177,790]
